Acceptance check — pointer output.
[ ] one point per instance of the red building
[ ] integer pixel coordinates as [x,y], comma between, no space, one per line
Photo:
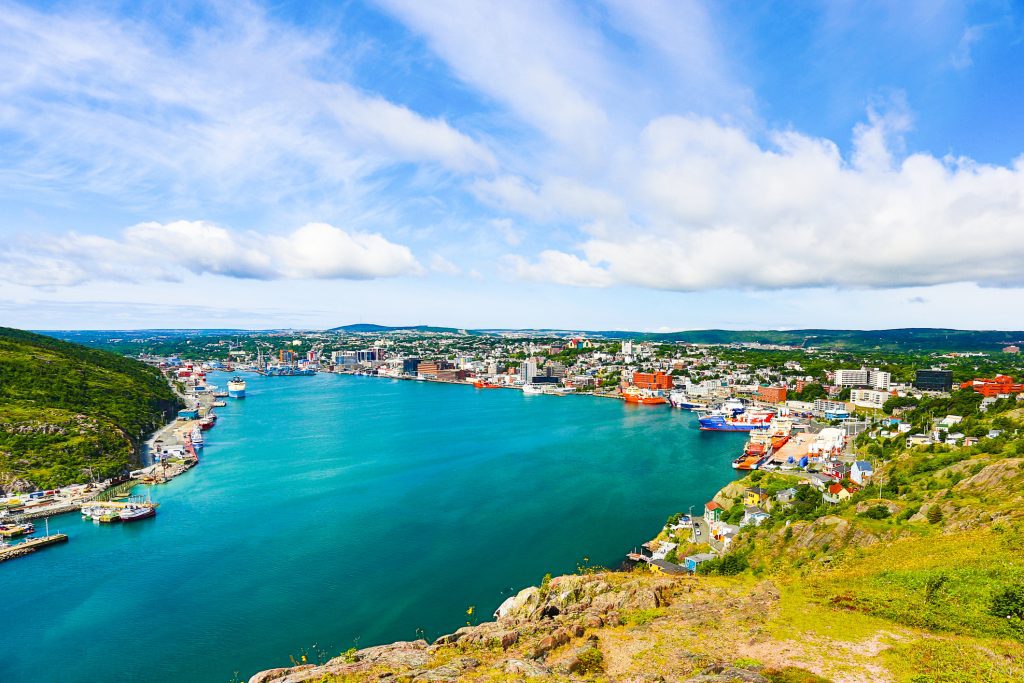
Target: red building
[1000,384]
[772,394]
[648,380]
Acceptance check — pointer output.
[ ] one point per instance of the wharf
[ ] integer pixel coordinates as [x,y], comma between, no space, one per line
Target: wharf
[795,448]
[30,546]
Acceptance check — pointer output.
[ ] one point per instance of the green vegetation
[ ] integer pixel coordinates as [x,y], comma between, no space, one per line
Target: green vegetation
[72,414]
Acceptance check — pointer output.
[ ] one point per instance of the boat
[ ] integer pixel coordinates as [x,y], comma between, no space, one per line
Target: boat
[236,387]
[644,397]
[13,530]
[680,400]
[723,419]
[208,421]
[196,437]
[219,404]
[756,452]
[484,384]
[133,513]
[531,389]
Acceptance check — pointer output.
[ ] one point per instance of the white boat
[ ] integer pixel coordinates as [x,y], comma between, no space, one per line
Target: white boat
[236,387]
[679,399]
[197,437]
[533,389]
[136,512]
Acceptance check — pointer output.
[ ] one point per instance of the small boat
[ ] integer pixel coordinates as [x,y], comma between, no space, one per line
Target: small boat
[680,400]
[484,384]
[208,421]
[133,513]
[196,437]
[219,404]
[13,530]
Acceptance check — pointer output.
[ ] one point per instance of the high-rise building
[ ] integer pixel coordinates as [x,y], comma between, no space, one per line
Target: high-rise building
[874,378]
[528,370]
[934,380]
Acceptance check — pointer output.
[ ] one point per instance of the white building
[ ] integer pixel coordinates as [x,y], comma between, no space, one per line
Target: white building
[874,378]
[868,398]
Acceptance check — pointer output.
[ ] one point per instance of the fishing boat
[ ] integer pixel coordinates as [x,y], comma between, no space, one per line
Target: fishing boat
[208,421]
[644,397]
[133,513]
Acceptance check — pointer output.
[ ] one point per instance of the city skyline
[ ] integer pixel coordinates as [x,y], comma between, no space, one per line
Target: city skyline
[639,166]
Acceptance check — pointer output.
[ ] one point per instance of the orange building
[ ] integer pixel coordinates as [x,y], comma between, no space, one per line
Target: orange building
[772,394]
[1000,384]
[649,380]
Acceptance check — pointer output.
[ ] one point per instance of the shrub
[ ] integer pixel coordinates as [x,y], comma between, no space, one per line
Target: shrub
[876,512]
[726,565]
[1009,602]
[591,661]
[934,514]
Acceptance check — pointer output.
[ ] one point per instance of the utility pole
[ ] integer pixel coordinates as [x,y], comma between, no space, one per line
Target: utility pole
[693,533]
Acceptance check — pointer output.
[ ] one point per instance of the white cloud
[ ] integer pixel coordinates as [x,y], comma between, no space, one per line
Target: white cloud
[717,210]
[439,264]
[155,251]
[243,109]
[560,268]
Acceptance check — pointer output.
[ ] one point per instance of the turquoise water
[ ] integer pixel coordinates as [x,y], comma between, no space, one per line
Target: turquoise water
[348,511]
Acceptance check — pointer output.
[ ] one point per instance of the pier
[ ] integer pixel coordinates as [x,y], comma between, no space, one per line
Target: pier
[30,546]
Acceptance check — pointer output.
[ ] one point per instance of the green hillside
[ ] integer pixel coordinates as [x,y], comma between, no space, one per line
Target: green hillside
[69,413]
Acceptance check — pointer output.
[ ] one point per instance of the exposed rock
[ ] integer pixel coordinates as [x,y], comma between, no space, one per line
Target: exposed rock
[524,667]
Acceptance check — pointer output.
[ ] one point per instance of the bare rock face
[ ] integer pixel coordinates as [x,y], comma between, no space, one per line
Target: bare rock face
[411,655]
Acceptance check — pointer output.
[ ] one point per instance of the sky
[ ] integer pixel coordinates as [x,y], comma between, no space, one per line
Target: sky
[613,164]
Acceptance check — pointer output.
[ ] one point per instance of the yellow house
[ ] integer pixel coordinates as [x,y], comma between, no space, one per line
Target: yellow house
[755,496]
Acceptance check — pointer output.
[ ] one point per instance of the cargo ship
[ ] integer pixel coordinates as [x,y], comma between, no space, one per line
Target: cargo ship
[724,419]
[644,397]
[236,387]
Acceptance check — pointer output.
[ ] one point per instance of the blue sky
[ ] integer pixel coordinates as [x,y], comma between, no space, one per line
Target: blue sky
[654,165]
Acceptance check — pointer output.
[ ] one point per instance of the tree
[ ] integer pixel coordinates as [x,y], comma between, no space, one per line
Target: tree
[1009,602]
[934,514]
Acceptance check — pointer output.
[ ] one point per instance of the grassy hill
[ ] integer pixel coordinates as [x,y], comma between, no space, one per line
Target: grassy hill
[69,413]
[918,578]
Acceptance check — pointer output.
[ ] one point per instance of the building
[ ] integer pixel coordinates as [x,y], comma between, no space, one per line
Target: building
[865,377]
[934,379]
[831,410]
[431,368]
[1000,385]
[691,562]
[1012,348]
[754,496]
[712,512]
[652,380]
[410,366]
[753,515]
[836,493]
[528,370]
[868,398]
[772,394]
[861,472]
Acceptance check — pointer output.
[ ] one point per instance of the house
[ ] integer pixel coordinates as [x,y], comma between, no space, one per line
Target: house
[819,480]
[919,440]
[691,562]
[724,533]
[712,512]
[786,496]
[666,567]
[835,493]
[970,440]
[663,549]
[753,515]
[861,472]
[754,496]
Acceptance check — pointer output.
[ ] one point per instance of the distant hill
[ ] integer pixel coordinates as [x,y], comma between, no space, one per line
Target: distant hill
[901,339]
[69,413]
[373,329]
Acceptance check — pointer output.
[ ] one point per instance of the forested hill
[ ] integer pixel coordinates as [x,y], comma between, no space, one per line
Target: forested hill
[69,413]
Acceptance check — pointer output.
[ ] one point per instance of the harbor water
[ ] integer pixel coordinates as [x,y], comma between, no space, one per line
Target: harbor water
[331,512]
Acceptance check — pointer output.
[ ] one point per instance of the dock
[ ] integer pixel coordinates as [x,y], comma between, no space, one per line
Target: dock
[30,546]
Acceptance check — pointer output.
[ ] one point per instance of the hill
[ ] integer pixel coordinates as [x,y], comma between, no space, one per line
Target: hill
[917,578]
[69,413]
[368,328]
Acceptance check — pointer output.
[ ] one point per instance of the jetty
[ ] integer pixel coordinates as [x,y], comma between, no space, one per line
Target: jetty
[30,546]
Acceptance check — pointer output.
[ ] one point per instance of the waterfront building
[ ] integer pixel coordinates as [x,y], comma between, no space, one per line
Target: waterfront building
[772,394]
[934,379]
[652,380]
